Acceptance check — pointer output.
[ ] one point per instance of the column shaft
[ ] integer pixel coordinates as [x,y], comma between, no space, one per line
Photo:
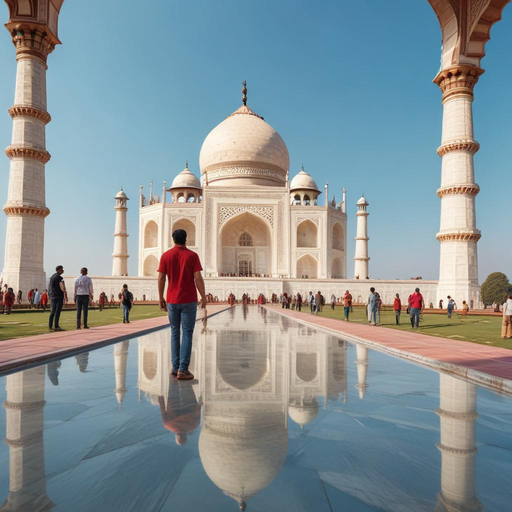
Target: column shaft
[458,235]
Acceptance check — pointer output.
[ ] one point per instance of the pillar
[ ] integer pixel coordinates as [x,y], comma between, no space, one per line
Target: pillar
[26,198]
[457,413]
[361,256]
[120,255]
[458,235]
[24,435]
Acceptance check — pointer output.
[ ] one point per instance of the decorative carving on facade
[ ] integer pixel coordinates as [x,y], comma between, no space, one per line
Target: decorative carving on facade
[231,172]
[24,441]
[30,41]
[27,210]
[22,110]
[476,9]
[456,451]
[36,154]
[458,80]
[459,237]
[468,145]
[227,212]
[465,416]
[29,406]
[470,190]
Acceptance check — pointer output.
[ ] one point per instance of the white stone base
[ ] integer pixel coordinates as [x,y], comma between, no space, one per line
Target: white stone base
[221,287]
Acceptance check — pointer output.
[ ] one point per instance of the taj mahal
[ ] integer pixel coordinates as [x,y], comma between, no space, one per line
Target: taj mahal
[257,225]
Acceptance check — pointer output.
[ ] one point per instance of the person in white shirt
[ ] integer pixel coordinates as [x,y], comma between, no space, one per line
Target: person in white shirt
[84,294]
[37,298]
[506,326]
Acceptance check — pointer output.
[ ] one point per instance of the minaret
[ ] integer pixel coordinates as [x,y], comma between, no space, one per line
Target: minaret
[24,436]
[362,369]
[120,254]
[120,361]
[34,35]
[457,413]
[361,257]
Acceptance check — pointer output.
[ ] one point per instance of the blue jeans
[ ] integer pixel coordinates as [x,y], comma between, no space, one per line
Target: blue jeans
[126,313]
[181,315]
[346,310]
[415,317]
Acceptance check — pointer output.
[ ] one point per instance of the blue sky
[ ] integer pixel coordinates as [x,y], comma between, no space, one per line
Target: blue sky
[137,86]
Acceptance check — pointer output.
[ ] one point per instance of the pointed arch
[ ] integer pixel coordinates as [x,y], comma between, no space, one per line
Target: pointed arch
[307,267]
[189,227]
[307,234]
[336,268]
[150,266]
[151,235]
[338,237]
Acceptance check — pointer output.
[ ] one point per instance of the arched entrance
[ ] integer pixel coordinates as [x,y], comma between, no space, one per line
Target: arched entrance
[307,234]
[150,266]
[189,227]
[245,247]
[338,241]
[307,267]
[336,269]
[150,235]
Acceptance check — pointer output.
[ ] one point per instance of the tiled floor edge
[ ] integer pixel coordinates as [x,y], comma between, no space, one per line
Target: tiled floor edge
[27,362]
[482,379]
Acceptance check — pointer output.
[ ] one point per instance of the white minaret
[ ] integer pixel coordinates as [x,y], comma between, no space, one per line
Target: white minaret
[120,361]
[458,235]
[457,413]
[361,257]
[34,38]
[24,435]
[362,369]
[120,254]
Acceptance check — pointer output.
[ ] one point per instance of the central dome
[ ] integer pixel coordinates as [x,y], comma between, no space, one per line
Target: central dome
[244,150]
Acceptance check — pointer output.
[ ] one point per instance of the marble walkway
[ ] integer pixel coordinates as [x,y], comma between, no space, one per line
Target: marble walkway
[488,366]
[33,350]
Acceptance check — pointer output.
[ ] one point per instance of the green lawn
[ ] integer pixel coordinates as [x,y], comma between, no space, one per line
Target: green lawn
[18,325]
[485,330]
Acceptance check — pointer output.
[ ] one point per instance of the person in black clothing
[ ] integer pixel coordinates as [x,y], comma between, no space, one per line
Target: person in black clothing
[58,294]
[127,300]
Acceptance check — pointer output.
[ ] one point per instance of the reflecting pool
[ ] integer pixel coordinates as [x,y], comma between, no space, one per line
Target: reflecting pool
[280,417]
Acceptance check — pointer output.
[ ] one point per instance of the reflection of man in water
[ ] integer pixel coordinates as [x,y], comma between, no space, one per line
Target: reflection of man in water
[183,414]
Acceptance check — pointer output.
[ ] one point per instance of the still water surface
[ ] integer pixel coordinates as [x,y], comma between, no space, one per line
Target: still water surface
[280,418]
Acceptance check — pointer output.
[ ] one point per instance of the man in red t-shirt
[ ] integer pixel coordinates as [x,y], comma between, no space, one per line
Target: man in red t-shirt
[182,268]
[417,305]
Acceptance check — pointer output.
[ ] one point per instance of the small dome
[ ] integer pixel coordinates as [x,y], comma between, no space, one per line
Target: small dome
[185,179]
[121,195]
[244,150]
[303,413]
[362,201]
[303,181]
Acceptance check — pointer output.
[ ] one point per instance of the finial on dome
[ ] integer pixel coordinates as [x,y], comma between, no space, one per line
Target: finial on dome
[302,169]
[243,505]
[186,164]
[244,92]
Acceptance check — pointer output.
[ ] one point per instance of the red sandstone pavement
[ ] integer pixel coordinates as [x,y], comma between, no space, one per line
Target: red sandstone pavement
[490,366]
[36,349]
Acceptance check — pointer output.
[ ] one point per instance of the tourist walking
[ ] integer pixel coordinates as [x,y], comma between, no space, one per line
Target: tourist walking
[311,302]
[347,304]
[450,307]
[318,302]
[299,301]
[182,268]
[397,307]
[9,299]
[44,299]
[30,297]
[84,294]
[417,306]
[372,307]
[37,298]
[379,306]
[441,304]
[19,297]
[127,301]
[294,301]
[465,308]
[333,301]
[58,295]
[1,300]
[506,326]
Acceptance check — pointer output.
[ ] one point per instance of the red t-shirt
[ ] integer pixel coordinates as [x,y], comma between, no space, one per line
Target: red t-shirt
[180,263]
[416,300]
